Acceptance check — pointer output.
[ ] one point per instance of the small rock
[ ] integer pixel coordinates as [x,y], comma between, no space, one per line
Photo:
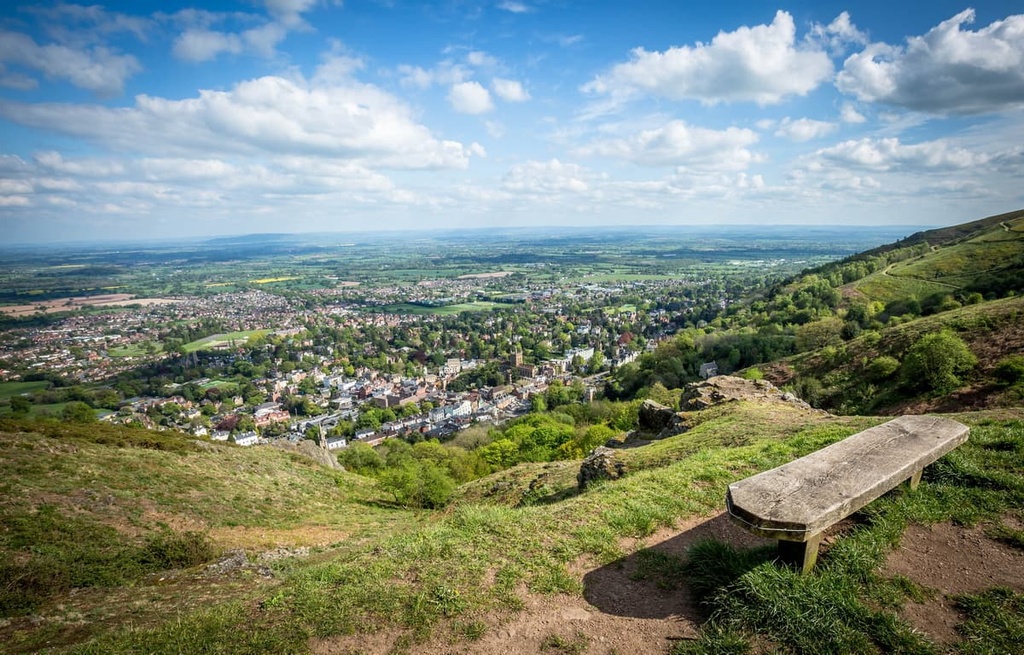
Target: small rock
[600,464]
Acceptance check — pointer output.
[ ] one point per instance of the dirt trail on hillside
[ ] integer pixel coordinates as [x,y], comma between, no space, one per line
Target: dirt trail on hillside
[618,614]
[951,560]
[615,614]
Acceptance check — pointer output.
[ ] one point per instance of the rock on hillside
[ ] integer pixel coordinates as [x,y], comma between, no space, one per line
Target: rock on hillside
[726,388]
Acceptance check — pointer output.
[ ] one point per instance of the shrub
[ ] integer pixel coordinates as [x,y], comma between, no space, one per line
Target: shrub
[882,367]
[753,373]
[1010,370]
[935,361]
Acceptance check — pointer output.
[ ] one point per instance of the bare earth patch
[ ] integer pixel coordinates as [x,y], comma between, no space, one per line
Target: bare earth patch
[615,614]
[951,560]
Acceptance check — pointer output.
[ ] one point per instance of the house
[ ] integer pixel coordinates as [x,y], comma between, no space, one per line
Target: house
[708,370]
[246,439]
[335,443]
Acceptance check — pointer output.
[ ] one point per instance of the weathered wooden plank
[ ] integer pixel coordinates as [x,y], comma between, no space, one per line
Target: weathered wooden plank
[798,500]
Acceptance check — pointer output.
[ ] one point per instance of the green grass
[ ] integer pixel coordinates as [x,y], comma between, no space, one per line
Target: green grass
[11,389]
[474,560]
[222,339]
[134,350]
[845,605]
[995,622]
[444,310]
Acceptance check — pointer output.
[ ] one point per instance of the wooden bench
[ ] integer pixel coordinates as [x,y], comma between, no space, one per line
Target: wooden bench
[795,502]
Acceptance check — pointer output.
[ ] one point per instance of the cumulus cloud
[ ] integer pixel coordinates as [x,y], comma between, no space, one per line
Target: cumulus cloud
[679,144]
[947,71]
[762,64]
[289,12]
[96,68]
[849,114]
[261,117]
[546,178]
[481,59]
[838,35]
[804,129]
[888,154]
[446,73]
[470,98]
[509,90]
[199,45]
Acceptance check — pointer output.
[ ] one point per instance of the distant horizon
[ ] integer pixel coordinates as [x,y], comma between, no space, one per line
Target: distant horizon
[219,117]
[199,239]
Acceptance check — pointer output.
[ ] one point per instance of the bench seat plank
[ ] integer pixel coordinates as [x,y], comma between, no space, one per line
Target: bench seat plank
[798,500]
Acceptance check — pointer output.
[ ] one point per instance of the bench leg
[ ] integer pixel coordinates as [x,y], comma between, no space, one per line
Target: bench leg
[800,554]
[916,479]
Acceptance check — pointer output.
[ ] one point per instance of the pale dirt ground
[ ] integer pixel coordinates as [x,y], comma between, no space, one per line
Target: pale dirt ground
[617,615]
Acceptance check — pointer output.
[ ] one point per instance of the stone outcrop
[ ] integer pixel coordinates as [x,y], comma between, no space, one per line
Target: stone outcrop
[726,388]
[654,417]
[601,464]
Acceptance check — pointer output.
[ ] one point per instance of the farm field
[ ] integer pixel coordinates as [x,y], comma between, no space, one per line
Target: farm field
[216,340]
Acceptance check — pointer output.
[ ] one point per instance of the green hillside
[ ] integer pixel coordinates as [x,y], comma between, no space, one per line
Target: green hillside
[461,577]
[849,376]
[982,256]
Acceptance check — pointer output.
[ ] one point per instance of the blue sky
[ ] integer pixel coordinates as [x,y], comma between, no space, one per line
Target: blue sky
[160,119]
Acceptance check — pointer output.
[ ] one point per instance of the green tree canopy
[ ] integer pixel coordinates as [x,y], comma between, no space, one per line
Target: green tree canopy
[935,361]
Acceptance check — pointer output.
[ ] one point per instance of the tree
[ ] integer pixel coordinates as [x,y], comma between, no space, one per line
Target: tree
[935,361]
[20,406]
[77,412]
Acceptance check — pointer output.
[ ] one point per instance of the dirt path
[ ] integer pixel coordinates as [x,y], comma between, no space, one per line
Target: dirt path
[615,614]
[951,560]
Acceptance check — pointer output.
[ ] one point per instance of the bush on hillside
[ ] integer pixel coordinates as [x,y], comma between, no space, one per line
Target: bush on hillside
[1010,370]
[935,362]
[882,368]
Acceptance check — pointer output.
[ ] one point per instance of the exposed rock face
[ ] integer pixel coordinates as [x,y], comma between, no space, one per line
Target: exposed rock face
[600,464]
[654,417]
[726,388]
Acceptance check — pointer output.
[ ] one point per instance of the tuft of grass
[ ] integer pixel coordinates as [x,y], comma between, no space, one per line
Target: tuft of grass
[555,643]
[994,623]
[664,569]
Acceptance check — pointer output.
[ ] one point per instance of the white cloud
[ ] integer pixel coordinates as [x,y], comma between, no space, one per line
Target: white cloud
[679,144]
[199,45]
[889,154]
[289,12]
[470,98]
[98,69]
[946,71]
[495,129]
[445,73]
[849,114]
[546,178]
[509,90]
[262,117]
[481,59]
[763,64]
[838,35]
[804,129]
[513,6]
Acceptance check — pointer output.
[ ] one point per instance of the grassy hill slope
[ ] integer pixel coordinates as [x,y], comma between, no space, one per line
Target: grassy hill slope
[454,580]
[963,258]
[104,508]
[847,381]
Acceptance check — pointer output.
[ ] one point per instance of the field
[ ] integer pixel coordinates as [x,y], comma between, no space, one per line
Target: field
[10,389]
[219,340]
[444,310]
[495,258]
